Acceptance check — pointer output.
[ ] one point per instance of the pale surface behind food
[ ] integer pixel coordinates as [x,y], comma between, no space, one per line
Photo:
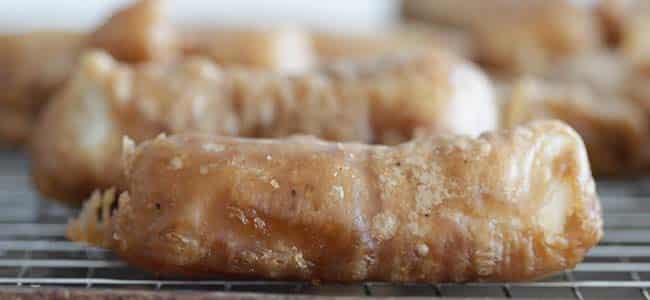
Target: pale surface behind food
[332,14]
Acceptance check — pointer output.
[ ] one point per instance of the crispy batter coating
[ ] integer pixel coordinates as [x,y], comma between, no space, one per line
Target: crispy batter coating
[281,49]
[614,129]
[384,100]
[35,65]
[507,206]
[517,36]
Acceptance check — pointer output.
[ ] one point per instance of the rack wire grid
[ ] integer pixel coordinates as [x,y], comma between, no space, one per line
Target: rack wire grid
[35,253]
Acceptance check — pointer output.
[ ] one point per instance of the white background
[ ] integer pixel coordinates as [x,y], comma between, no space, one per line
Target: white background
[26,15]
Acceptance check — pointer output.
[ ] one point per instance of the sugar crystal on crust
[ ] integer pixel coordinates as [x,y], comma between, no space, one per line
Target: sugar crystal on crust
[274,183]
[128,147]
[176,163]
[210,147]
[422,250]
[203,170]
[338,191]
[384,226]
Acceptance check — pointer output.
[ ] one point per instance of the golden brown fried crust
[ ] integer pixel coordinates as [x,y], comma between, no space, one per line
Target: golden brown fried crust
[614,129]
[384,100]
[515,36]
[508,206]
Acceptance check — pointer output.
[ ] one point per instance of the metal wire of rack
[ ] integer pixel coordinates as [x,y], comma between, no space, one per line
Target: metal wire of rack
[35,253]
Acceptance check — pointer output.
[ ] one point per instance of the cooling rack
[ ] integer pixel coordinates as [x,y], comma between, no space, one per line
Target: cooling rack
[36,259]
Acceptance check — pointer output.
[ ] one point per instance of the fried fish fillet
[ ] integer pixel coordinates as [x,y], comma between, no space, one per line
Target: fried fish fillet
[614,128]
[383,100]
[506,206]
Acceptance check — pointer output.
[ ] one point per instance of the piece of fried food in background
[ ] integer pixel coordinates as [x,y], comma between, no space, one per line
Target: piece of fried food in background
[385,100]
[280,49]
[331,47]
[627,23]
[610,76]
[463,14]
[513,36]
[532,41]
[613,14]
[614,128]
[638,89]
[35,65]
[514,205]
[32,65]
[604,72]
[140,32]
